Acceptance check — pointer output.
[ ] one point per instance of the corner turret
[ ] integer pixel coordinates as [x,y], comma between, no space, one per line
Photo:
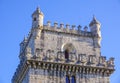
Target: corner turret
[37,23]
[37,18]
[95,27]
[95,30]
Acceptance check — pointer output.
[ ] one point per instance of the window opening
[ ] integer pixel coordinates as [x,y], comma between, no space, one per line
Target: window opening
[66,54]
[67,79]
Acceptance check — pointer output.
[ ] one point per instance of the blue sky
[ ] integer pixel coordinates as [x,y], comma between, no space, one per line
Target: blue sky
[15,23]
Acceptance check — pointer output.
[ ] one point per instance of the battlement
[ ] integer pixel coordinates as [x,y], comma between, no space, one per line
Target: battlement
[67,29]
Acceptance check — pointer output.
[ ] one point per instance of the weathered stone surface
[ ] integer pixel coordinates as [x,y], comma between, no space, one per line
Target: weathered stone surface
[53,54]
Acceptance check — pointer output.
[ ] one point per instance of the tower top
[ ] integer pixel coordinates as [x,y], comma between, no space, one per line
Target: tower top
[94,21]
[37,18]
[37,11]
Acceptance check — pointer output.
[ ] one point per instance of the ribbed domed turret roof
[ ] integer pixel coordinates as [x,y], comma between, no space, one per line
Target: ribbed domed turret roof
[94,21]
[37,11]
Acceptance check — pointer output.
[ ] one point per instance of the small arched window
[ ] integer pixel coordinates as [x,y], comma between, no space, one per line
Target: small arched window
[66,54]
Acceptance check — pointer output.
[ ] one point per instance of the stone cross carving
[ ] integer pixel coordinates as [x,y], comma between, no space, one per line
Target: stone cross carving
[102,61]
[92,59]
[79,28]
[110,62]
[61,56]
[39,54]
[72,57]
[50,55]
[82,58]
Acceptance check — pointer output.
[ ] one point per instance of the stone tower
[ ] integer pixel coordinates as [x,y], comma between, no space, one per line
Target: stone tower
[62,54]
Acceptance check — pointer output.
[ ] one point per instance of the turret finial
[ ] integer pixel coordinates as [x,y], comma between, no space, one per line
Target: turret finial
[94,18]
[38,9]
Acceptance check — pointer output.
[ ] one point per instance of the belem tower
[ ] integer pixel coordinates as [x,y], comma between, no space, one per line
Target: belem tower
[62,54]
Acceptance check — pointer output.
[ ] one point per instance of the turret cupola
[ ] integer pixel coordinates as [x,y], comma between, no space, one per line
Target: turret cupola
[95,27]
[94,21]
[37,18]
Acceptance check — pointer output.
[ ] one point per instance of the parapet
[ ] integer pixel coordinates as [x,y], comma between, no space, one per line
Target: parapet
[69,29]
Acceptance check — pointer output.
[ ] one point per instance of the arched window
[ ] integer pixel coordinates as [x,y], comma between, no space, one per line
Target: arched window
[67,49]
[73,79]
[67,79]
[66,54]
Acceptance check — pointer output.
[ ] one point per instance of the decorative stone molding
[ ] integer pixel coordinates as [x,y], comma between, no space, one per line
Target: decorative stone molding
[48,23]
[55,24]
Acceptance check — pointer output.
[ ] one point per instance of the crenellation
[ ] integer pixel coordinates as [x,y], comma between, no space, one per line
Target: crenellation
[67,26]
[79,28]
[85,28]
[73,27]
[68,30]
[48,23]
[61,25]
[55,24]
